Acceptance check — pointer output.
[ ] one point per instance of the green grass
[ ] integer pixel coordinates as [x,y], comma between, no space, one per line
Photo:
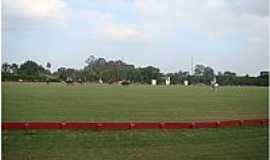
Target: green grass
[58,102]
[204,144]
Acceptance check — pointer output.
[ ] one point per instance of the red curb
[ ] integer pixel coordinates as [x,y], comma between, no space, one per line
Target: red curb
[13,125]
[265,122]
[79,125]
[135,125]
[206,124]
[230,123]
[177,125]
[43,125]
[241,122]
[131,125]
[161,125]
[109,125]
[193,125]
[98,126]
[253,122]
[146,125]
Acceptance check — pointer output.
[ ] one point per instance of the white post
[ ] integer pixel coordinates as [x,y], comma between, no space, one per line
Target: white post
[154,82]
[100,81]
[168,81]
[186,83]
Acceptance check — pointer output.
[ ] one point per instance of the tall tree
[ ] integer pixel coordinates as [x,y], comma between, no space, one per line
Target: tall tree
[149,73]
[31,68]
[208,74]
[90,60]
[14,68]
[199,70]
[5,68]
[48,65]
[229,74]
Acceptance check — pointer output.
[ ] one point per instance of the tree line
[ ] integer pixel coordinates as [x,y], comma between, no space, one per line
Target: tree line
[110,71]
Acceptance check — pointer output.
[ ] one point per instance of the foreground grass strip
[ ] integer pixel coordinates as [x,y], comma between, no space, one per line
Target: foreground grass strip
[208,144]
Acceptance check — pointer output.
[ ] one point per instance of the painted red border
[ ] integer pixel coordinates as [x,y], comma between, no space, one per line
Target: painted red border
[135,125]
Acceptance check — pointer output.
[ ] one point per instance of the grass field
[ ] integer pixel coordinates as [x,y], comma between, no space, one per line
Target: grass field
[58,102]
[205,144]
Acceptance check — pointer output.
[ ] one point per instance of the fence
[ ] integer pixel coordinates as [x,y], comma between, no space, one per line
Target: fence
[135,125]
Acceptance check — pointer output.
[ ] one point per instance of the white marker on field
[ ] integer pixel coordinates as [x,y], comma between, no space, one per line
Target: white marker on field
[168,81]
[186,83]
[154,82]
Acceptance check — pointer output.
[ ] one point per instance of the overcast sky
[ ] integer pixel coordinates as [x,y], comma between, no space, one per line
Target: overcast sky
[224,34]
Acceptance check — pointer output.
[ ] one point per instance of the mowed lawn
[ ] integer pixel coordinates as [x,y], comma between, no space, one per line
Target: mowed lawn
[59,102]
[203,144]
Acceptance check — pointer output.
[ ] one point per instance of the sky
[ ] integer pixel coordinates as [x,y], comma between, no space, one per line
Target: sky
[228,35]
